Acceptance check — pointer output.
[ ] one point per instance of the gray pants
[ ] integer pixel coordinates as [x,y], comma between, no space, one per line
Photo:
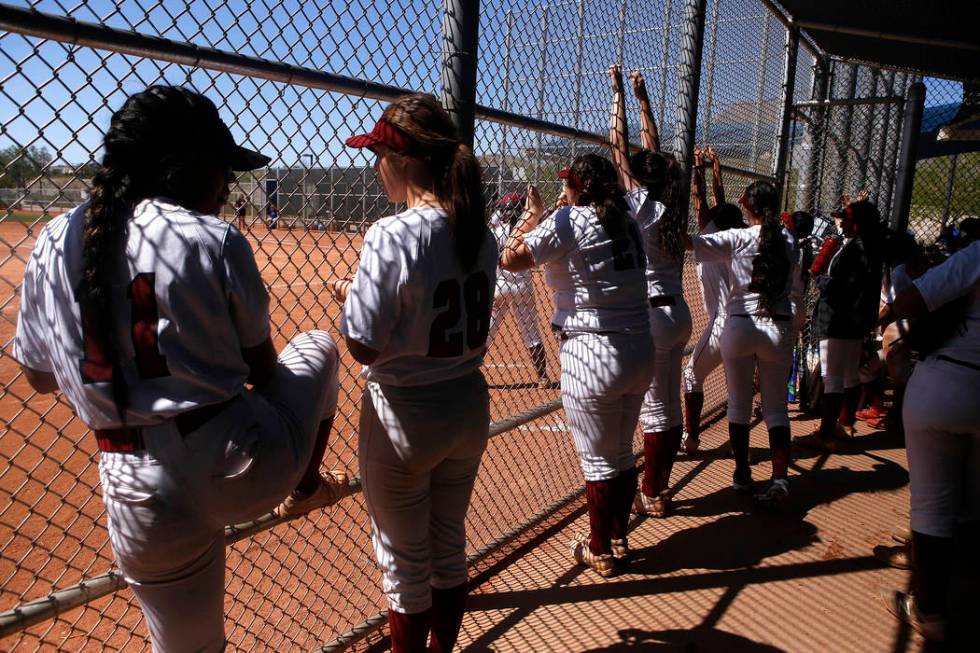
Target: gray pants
[168,505]
[420,449]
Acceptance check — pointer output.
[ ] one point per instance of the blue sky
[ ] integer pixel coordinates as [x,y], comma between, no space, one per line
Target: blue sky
[66,95]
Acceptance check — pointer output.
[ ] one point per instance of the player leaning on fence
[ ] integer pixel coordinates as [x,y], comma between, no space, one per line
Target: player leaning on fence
[417,314]
[148,312]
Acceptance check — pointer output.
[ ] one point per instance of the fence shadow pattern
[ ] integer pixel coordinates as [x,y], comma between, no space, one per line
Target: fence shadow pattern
[311,582]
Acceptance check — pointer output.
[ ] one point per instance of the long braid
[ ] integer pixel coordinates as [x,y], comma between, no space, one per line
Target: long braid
[770,267]
[104,238]
[661,175]
[602,191]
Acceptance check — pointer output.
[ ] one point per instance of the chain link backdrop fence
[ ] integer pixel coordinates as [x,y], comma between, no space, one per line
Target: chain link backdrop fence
[293,80]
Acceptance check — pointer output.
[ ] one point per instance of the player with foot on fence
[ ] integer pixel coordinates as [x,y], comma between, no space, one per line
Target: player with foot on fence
[651,180]
[148,312]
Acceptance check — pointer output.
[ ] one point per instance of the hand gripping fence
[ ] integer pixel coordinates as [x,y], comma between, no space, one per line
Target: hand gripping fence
[528,81]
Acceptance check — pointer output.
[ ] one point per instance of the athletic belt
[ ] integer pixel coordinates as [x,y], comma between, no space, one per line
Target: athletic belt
[663,300]
[563,336]
[956,361]
[130,439]
[774,318]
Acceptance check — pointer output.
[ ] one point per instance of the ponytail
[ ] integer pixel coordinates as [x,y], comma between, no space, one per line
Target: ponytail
[770,267]
[461,189]
[602,191]
[661,175]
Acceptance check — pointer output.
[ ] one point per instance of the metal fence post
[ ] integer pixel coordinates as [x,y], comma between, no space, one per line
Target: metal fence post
[811,179]
[898,87]
[663,77]
[915,99]
[542,72]
[709,84]
[505,106]
[846,84]
[760,92]
[461,41]
[688,87]
[786,120]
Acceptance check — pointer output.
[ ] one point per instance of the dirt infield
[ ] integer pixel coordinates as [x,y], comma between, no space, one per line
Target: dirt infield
[300,584]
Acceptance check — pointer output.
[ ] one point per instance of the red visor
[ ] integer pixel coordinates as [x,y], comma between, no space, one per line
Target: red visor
[384,133]
[510,199]
[570,178]
[787,219]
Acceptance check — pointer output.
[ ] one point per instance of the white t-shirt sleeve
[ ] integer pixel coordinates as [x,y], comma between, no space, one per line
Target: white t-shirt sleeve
[952,279]
[372,307]
[248,299]
[553,239]
[635,199]
[30,341]
[716,247]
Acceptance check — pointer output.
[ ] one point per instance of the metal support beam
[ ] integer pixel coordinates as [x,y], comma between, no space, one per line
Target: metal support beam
[788,23]
[786,120]
[811,178]
[915,100]
[878,35]
[460,44]
[688,87]
[844,102]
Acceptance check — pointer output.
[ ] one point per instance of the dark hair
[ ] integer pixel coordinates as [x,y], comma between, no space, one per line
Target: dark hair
[155,145]
[661,175]
[770,267]
[726,216]
[455,172]
[802,224]
[870,228]
[600,189]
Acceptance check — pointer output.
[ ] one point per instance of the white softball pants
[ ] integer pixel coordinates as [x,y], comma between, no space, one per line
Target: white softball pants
[706,356]
[840,361]
[420,449]
[519,300]
[745,343]
[670,327]
[603,378]
[169,504]
[942,436]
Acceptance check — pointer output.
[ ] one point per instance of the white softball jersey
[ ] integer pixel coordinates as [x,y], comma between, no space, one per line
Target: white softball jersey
[187,299]
[508,282]
[663,272]
[740,247]
[957,276]
[715,280]
[598,282]
[412,301]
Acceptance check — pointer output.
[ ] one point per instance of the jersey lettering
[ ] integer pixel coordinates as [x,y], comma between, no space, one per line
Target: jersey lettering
[96,367]
[475,297]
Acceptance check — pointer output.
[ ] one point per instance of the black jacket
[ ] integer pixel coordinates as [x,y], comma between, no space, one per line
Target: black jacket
[850,294]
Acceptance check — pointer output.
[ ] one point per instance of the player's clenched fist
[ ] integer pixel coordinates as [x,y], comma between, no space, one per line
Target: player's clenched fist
[616,77]
[339,288]
[639,84]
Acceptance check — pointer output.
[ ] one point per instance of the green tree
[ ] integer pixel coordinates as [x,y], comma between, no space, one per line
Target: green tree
[19,165]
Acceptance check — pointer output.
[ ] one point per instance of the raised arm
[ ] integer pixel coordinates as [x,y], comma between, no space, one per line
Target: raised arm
[700,199]
[618,135]
[650,135]
[717,184]
[516,257]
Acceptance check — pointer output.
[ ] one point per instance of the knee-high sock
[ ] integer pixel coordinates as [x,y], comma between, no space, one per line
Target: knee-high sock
[693,404]
[830,412]
[409,631]
[311,477]
[779,449]
[599,499]
[738,436]
[658,459]
[448,606]
[672,443]
[932,568]
[848,413]
[538,359]
[625,493]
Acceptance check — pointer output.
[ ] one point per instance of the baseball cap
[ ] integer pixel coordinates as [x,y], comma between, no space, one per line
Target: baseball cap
[510,199]
[239,158]
[383,133]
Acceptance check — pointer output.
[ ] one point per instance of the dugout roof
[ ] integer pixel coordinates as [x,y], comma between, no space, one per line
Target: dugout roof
[938,37]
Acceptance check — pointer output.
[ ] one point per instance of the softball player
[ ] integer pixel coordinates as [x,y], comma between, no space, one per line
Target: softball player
[651,180]
[757,330]
[594,261]
[149,313]
[942,432]
[417,316]
[845,313]
[515,290]
[714,280]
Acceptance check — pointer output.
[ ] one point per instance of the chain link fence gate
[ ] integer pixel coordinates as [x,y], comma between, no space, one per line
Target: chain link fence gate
[293,79]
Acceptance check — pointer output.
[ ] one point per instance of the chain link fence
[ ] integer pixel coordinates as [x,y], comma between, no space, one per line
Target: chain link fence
[543,96]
